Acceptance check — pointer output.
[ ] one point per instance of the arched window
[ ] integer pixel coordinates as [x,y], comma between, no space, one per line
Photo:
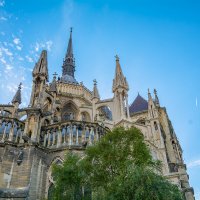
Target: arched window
[69,112]
[85,117]
[105,112]
[50,191]
[47,104]
[155,126]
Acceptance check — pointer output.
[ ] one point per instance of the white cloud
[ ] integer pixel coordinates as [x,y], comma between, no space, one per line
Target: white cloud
[3,60]
[43,45]
[37,47]
[29,59]
[195,163]
[2,3]
[49,44]
[3,18]
[6,51]
[16,41]
[9,67]
[20,58]
[19,48]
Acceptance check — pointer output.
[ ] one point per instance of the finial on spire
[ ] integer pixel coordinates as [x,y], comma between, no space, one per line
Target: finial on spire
[117,58]
[71,28]
[20,85]
[95,82]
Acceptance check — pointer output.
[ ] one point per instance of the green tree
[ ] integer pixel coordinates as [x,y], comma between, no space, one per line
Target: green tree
[119,166]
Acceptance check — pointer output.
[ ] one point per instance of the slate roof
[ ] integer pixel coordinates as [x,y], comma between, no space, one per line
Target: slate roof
[17,97]
[138,105]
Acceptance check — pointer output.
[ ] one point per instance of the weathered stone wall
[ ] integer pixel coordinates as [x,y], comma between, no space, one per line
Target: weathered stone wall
[15,168]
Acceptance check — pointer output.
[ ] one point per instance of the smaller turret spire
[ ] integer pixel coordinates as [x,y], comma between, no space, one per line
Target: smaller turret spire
[119,80]
[41,67]
[149,94]
[156,98]
[53,85]
[95,92]
[17,97]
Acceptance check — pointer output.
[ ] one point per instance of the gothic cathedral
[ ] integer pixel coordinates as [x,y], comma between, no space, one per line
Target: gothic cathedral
[64,115]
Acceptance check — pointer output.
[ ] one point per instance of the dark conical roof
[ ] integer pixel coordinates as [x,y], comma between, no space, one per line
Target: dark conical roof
[17,97]
[70,47]
[138,105]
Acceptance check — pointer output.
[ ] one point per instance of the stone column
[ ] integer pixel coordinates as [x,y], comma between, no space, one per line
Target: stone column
[127,106]
[11,132]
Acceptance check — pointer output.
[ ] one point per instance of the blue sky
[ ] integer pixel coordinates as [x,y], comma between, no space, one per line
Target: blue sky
[157,41]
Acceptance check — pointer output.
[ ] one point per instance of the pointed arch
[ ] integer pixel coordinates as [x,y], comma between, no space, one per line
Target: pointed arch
[69,111]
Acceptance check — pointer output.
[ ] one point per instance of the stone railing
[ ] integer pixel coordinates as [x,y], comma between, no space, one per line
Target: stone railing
[71,133]
[11,129]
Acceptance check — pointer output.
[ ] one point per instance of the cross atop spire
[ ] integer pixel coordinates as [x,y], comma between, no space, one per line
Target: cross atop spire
[54,75]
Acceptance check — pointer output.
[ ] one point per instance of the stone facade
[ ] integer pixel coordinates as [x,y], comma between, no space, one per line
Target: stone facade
[66,116]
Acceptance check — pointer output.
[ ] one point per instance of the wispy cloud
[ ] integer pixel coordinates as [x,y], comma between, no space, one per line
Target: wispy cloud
[195,163]
[29,59]
[2,18]
[43,45]
[17,58]
[2,3]
[16,41]
[196,102]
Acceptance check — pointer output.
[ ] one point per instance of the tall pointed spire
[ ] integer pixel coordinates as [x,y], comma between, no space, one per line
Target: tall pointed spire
[119,80]
[70,47]
[68,67]
[95,92]
[17,97]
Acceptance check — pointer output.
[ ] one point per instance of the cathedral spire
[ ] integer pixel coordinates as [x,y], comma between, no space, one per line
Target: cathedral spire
[70,47]
[17,97]
[68,67]
[119,80]
[69,62]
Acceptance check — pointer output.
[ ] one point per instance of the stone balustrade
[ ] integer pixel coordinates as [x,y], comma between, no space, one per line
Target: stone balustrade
[71,133]
[11,129]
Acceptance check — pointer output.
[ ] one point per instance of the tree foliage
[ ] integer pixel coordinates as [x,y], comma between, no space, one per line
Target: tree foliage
[118,167]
